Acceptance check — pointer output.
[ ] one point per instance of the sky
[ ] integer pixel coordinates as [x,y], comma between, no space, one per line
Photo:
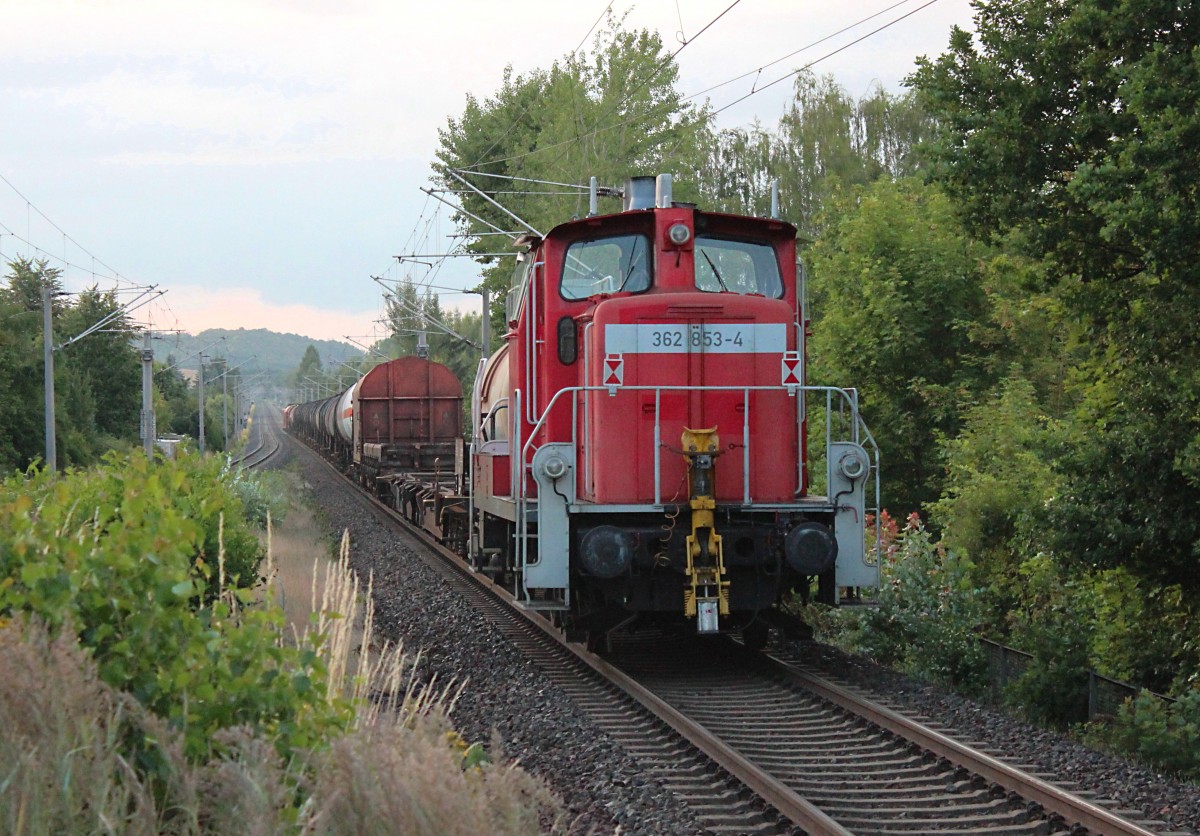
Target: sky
[261,160]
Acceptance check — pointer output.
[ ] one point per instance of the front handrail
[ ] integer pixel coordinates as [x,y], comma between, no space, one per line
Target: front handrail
[853,425]
[849,397]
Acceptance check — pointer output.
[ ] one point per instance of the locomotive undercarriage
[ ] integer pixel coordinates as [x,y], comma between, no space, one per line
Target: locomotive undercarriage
[627,567]
[641,563]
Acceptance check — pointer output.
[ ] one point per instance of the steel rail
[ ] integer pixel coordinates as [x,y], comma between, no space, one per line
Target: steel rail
[1073,809]
[250,458]
[786,801]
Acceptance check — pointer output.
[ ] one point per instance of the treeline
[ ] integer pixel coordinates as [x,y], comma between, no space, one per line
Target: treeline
[1002,259]
[97,380]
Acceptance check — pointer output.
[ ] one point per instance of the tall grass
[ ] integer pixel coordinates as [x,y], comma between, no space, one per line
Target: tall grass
[65,759]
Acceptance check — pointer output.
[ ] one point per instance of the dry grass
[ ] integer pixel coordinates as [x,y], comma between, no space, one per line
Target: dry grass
[64,746]
[296,549]
[390,778]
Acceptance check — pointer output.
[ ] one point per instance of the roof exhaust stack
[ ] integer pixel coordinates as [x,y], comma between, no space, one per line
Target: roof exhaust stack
[639,194]
[662,191]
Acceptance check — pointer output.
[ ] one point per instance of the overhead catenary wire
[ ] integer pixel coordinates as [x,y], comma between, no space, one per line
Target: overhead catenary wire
[38,250]
[658,68]
[145,297]
[525,109]
[664,108]
[31,207]
[516,179]
[589,32]
[195,353]
[842,48]
[425,317]
[805,48]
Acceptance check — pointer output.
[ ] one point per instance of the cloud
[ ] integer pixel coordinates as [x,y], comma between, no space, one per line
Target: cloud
[249,81]
[228,82]
[260,81]
[194,309]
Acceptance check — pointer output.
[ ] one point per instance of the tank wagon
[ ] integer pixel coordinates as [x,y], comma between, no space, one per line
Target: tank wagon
[639,445]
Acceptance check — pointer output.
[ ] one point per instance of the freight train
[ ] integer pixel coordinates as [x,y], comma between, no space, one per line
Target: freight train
[640,444]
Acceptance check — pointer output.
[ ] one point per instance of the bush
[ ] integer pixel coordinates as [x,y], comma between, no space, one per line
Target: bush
[1164,734]
[999,478]
[1140,631]
[927,615]
[1055,623]
[262,495]
[129,555]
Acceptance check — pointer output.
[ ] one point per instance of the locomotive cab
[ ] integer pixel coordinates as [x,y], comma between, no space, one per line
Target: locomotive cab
[640,441]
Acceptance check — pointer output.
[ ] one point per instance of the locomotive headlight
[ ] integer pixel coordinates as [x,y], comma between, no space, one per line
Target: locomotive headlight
[554,467]
[852,465]
[679,234]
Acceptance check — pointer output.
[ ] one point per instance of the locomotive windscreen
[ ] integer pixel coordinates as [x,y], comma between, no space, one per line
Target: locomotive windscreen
[606,265]
[724,265]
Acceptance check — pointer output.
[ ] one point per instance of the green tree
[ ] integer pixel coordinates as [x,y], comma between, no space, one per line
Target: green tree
[27,278]
[106,362]
[411,315]
[310,363]
[22,369]
[1078,122]
[20,418]
[97,383]
[170,395]
[1070,129]
[611,113]
[895,286]
[999,477]
[825,141]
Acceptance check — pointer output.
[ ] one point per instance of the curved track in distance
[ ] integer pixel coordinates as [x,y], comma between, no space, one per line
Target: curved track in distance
[264,442]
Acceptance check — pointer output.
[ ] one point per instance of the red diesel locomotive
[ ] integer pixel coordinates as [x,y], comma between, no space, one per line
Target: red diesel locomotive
[640,440]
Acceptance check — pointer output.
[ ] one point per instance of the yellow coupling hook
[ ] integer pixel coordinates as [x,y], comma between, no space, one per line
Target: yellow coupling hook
[706,596]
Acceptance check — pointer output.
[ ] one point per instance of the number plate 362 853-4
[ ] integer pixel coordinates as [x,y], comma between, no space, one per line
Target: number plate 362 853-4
[682,338]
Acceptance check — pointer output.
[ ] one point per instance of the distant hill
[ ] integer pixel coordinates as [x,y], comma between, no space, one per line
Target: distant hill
[262,350]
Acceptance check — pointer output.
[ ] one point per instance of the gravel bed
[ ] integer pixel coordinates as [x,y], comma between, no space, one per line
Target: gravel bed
[603,789]
[1134,787]
[506,697]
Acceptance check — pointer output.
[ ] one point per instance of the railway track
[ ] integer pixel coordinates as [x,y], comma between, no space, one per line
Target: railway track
[868,767]
[264,442]
[757,743]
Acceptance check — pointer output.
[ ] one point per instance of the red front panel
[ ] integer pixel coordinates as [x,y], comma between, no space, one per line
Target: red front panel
[686,339]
